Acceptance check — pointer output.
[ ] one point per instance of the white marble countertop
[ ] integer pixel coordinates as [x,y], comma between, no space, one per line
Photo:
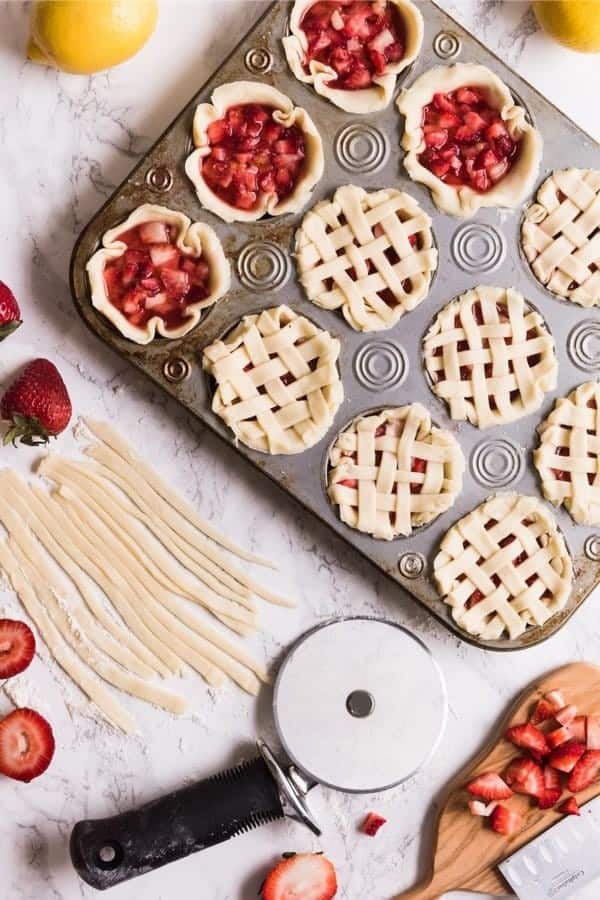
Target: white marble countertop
[65,143]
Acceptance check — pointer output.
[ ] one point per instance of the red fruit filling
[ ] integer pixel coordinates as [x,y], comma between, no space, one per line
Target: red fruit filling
[252,154]
[416,464]
[357,39]
[562,474]
[372,823]
[467,142]
[153,277]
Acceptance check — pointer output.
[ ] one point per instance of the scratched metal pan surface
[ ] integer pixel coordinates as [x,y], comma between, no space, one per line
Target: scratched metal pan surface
[383,369]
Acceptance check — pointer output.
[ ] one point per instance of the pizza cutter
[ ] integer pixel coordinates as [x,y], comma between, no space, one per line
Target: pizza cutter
[359,705]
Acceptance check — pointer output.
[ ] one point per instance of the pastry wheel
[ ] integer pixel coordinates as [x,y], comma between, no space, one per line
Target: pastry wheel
[359,706]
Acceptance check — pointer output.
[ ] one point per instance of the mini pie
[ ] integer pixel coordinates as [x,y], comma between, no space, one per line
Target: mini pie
[156,272]
[352,50]
[371,254]
[467,140]
[504,567]
[256,153]
[568,458]
[277,383]
[490,357]
[560,235]
[394,471]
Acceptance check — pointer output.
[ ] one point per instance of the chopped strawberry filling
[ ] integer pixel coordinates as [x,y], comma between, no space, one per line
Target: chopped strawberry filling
[466,140]
[357,39]
[153,277]
[372,823]
[252,154]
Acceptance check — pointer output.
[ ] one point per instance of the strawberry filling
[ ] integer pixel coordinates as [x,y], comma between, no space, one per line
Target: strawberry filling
[251,154]
[153,277]
[357,39]
[466,140]
[563,474]
[416,464]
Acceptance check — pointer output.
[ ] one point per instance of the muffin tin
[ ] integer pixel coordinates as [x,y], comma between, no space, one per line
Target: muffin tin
[380,369]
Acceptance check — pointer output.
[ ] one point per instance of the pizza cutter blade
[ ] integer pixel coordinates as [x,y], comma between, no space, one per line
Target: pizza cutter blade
[359,705]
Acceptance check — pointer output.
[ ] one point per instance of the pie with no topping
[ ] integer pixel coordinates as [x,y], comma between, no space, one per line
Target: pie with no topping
[560,235]
[256,153]
[277,383]
[504,567]
[352,50]
[568,458]
[370,254]
[490,357]
[394,471]
[467,140]
[156,272]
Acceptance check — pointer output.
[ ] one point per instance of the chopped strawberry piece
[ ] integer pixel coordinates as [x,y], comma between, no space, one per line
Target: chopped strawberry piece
[489,786]
[525,776]
[444,103]
[301,875]
[542,712]
[17,647]
[528,737]
[477,808]
[586,771]
[436,137]
[579,729]
[549,797]
[566,715]
[570,807]
[566,755]
[176,282]
[506,821]
[555,699]
[469,96]
[154,233]
[26,745]
[593,732]
[557,737]
[551,778]
[164,255]
[372,823]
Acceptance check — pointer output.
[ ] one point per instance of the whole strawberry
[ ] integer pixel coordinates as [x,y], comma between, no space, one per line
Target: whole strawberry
[37,404]
[10,314]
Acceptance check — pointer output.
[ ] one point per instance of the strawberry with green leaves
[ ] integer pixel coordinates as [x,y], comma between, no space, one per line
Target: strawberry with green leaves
[37,405]
[10,314]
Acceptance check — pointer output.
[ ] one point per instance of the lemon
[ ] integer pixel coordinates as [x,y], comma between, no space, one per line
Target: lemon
[85,36]
[573,23]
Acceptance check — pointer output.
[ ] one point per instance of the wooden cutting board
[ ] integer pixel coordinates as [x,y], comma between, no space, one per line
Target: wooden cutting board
[466,850]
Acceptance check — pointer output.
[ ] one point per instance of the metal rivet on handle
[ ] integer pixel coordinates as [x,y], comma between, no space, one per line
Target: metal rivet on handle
[411,565]
[379,365]
[176,369]
[477,248]
[361,148]
[447,45]
[591,547]
[160,179]
[263,266]
[583,345]
[496,463]
[258,60]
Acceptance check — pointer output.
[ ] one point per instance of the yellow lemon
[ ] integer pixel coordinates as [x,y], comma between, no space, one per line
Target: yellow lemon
[85,36]
[573,23]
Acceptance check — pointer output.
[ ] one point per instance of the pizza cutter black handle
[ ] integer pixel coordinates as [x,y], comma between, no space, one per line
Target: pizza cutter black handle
[106,852]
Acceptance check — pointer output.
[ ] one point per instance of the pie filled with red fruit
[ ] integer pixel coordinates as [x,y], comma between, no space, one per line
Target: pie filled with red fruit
[467,140]
[352,50]
[392,472]
[156,272]
[256,153]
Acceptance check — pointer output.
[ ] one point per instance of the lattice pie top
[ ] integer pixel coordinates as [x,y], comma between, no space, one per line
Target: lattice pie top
[394,471]
[561,235]
[490,357]
[503,567]
[371,254]
[278,386]
[568,458]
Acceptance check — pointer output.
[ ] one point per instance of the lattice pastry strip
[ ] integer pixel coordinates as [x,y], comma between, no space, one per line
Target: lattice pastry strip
[490,357]
[568,458]
[370,254]
[504,567]
[560,235]
[394,471]
[278,385]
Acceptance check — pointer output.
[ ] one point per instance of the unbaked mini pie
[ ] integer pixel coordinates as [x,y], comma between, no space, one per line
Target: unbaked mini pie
[277,382]
[568,458]
[256,153]
[504,567]
[394,471]
[490,357]
[156,272]
[352,50]
[467,140]
[370,254]
[560,235]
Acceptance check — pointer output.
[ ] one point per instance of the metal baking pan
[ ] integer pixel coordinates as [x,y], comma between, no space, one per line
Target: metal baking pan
[382,369]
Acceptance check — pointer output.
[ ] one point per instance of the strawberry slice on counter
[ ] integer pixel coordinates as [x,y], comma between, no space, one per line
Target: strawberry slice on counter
[528,737]
[542,712]
[566,716]
[525,776]
[570,807]
[37,404]
[26,745]
[556,699]
[301,876]
[593,732]
[505,821]
[10,314]
[17,647]
[559,736]
[372,823]
[552,788]
[479,808]
[566,755]
[489,786]
[586,771]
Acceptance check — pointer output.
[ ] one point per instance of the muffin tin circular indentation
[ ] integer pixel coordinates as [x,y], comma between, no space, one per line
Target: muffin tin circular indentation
[583,345]
[411,565]
[361,148]
[447,45]
[591,547]
[379,365]
[477,248]
[177,369]
[263,266]
[497,463]
[159,179]
[258,60]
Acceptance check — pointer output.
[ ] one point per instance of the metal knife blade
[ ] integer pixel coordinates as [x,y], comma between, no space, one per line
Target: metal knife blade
[561,861]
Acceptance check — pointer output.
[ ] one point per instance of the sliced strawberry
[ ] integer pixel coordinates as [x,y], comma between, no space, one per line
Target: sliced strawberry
[570,807]
[468,95]
[525,776]
[566,755]
[444,103]
[302,876]
[489,786]
[154,233]
[373,822]
[549,797]
[496,130]
[176,282]
[505,821]
[164,255]
[17,647]
[579,730]
[586,771]
[26,745]
[478,808]
[543,711]
[593,732]
[528,737]
[435,137]
[551,778]
[558,736]
[566,715]
[556,699]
